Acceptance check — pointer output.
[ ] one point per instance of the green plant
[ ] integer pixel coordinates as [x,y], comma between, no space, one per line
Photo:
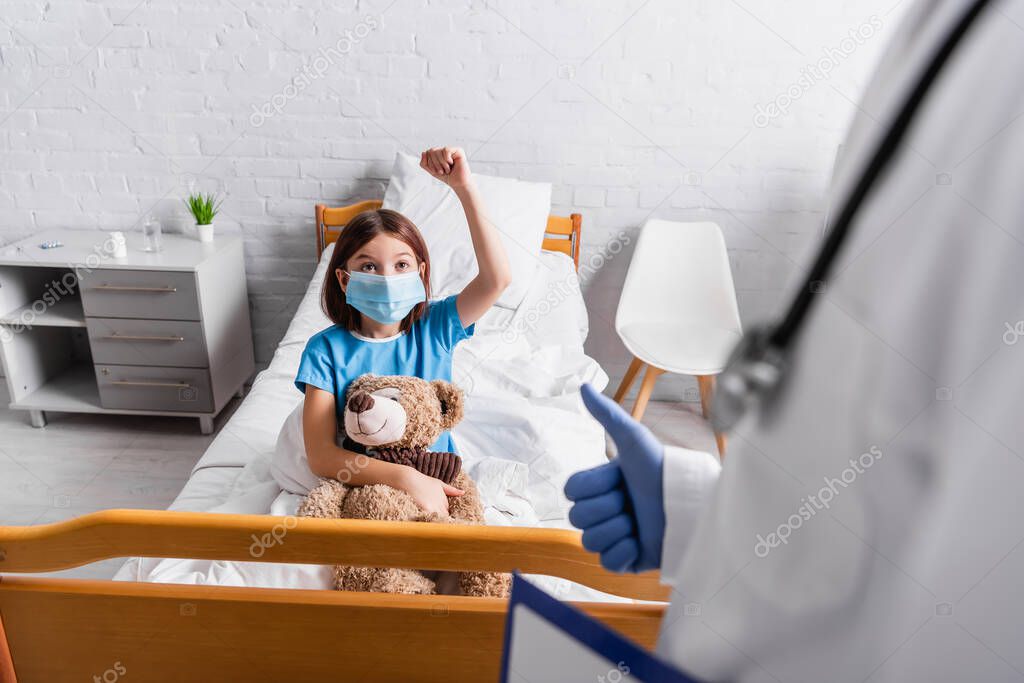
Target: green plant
[203,207]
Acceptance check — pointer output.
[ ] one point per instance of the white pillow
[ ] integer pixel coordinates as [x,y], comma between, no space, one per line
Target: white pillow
[518,209]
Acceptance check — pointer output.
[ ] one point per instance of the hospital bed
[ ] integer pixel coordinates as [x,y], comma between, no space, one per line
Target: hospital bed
[212,625]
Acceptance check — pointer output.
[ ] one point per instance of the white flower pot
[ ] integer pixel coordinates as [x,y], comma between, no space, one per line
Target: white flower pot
[205,232]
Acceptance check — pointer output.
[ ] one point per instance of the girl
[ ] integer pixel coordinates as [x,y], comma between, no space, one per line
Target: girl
[399,333]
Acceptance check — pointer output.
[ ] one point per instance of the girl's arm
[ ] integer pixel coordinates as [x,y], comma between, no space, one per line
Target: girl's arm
[327,459]
[449,165]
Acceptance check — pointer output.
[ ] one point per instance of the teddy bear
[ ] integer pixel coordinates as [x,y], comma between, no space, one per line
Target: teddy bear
[396,418]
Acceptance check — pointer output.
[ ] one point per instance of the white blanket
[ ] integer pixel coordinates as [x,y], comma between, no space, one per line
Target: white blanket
[524,432]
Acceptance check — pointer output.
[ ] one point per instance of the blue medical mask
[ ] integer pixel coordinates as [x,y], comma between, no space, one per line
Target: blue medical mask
[385,298]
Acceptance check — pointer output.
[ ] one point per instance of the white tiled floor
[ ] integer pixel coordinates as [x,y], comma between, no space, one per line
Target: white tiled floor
[83,463]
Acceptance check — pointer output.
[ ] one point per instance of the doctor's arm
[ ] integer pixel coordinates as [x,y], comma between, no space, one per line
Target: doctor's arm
[640,509]
[688,483]
[450,166]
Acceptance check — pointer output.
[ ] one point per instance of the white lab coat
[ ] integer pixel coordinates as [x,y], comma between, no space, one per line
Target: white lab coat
[915,570]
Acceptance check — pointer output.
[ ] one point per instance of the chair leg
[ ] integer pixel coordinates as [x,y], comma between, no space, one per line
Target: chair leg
[706,384]
[627,379]
[646,387]
[707,389]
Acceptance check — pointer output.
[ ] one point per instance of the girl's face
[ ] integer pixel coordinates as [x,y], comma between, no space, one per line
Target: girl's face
[383,255]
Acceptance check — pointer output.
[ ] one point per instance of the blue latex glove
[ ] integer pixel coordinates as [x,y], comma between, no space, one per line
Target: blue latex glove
[620,506]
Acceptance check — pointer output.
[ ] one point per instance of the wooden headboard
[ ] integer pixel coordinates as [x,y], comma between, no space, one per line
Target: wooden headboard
[562,233]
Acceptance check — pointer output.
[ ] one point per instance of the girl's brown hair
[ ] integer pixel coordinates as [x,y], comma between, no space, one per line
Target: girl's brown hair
[360,230]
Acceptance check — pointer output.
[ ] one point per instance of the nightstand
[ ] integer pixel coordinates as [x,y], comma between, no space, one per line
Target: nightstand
[163,333]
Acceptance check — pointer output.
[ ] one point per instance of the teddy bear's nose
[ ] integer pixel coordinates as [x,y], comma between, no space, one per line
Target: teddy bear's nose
[360,402]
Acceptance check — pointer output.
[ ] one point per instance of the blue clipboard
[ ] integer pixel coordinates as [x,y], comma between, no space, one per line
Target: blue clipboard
[549,640]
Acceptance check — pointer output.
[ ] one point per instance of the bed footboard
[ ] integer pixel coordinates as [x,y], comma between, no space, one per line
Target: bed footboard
[66,629]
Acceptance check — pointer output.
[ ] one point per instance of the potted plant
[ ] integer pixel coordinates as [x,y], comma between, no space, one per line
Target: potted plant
[203,208]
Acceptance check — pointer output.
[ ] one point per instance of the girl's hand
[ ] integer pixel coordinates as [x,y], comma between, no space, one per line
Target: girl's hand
[447,164]
[429,493]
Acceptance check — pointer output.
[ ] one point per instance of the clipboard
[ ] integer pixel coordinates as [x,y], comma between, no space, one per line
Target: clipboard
[549,640]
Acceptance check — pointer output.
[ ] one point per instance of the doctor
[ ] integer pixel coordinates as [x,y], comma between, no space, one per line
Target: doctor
[869,520]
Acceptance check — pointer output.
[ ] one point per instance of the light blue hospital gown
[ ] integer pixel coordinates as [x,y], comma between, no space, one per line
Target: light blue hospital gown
[335,357]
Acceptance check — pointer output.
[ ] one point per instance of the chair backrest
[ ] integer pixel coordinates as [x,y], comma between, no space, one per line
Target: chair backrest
[680,272]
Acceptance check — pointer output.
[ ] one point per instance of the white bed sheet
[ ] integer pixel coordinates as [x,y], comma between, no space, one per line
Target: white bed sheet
[525,430]
[206,489]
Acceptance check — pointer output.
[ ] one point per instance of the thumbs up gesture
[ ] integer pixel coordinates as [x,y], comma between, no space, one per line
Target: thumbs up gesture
[620,506]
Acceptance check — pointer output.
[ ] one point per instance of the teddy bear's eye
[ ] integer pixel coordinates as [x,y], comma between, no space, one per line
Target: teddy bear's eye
[395,399]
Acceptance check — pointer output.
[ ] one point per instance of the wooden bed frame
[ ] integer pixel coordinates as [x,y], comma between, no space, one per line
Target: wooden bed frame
[72,629]
[562,233]
[55,629]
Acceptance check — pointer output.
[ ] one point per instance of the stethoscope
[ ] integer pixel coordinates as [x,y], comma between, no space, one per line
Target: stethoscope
[758,364]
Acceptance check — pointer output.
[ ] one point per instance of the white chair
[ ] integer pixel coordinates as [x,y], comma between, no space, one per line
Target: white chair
[678,312]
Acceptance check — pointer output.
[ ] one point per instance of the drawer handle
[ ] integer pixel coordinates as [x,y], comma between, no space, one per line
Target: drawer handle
[141,383]
[135,288]
[135,337]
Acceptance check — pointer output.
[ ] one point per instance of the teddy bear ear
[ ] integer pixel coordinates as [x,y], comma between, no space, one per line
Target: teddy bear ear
[452,402]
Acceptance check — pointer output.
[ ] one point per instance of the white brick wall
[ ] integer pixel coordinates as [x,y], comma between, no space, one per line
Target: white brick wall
[109,109]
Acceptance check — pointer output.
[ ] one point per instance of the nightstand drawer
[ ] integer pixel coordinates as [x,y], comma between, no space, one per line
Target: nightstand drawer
[126,341]
[129,387]
[163,294]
